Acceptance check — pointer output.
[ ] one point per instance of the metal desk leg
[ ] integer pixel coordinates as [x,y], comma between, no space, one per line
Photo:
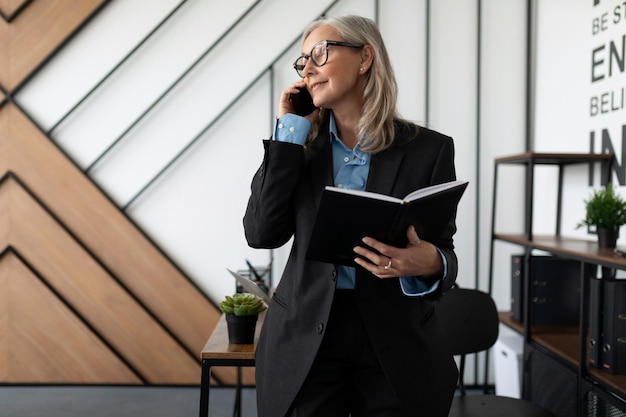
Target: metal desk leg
[237,408]
[204,388]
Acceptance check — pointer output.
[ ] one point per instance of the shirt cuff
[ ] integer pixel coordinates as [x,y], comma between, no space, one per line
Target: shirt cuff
[291,128]
[416,287]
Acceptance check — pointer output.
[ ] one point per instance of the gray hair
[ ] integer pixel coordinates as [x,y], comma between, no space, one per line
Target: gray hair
[380,91]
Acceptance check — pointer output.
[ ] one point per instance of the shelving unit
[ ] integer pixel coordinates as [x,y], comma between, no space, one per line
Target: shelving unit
[567,345]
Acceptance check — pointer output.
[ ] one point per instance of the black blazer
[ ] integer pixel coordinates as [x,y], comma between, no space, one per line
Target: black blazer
[404,332]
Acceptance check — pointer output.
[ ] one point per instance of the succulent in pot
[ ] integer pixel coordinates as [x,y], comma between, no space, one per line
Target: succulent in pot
[242,304]
[242,312]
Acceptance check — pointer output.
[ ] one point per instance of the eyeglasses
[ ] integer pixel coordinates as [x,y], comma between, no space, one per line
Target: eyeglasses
[319,55]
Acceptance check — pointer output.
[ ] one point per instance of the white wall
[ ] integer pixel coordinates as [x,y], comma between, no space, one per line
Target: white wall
[453,110]
[571,105]
[503,73]
[461,77]
[461,68]
[195,210]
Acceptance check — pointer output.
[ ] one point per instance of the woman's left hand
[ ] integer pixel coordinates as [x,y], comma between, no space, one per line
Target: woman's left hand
[419,258]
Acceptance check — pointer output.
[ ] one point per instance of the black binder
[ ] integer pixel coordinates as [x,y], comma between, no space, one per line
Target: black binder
[614,327]
[554,290]
[595,322]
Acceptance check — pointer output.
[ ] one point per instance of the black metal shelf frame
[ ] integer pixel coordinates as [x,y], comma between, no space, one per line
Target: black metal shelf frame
[529,160]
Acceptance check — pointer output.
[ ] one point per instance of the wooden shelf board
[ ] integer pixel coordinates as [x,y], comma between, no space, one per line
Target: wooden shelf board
[563,342]
[616,382]
[580,249]
[554,158]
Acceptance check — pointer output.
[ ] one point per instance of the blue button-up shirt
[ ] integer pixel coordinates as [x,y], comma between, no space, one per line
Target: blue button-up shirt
[350,169]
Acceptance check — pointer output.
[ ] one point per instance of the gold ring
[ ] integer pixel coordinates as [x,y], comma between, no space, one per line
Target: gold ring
[388,265]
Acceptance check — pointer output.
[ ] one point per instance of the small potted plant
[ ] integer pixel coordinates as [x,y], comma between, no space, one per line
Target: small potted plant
[242,312]
[606,211]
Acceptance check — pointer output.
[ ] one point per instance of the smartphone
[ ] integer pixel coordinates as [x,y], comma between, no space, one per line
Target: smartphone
[302,102]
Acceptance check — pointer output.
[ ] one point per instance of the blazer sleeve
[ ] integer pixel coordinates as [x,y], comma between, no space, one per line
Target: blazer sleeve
[269,218]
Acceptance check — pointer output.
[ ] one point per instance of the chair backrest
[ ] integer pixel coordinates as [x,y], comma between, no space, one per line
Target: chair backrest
[470,320]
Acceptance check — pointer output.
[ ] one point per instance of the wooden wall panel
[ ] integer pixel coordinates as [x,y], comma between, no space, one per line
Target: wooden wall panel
[5,63]
[100,225]
[36,32]
[44,340]
[11,7]
[93,294]
[110,274]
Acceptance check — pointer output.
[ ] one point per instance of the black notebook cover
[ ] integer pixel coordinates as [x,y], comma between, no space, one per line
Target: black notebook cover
[344,217]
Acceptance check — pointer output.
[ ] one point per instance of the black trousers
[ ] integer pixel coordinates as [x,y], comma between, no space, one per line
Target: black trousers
[346,379]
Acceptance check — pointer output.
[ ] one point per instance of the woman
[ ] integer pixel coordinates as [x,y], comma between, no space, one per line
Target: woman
[339,340]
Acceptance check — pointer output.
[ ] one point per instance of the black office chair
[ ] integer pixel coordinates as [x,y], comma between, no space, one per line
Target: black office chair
[470,320]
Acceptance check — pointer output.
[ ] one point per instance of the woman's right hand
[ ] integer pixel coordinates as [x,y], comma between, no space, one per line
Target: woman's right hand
[285,105]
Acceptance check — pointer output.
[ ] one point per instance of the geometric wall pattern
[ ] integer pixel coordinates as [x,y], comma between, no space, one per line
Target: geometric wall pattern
[85,296]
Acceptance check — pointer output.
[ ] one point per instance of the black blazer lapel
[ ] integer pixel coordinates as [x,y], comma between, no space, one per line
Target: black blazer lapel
[383,170]
[320,165]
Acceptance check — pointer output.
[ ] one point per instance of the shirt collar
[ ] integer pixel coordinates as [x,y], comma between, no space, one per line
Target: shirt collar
[332,129]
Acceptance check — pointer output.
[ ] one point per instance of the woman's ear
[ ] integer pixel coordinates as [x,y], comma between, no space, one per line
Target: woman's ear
[367,56]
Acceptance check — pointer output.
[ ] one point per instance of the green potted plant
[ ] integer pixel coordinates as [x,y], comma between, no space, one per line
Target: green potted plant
[606,211]
[242,312]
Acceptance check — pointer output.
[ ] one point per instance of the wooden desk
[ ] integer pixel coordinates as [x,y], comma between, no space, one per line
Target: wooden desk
[218,352]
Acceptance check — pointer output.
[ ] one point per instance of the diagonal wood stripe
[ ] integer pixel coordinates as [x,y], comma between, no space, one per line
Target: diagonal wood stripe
[101,301]
[10,9]
[43,340]
[114,250]
[5,60]
[100,226]
[39,29]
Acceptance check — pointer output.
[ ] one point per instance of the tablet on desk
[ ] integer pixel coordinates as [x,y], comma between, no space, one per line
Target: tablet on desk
[250,287]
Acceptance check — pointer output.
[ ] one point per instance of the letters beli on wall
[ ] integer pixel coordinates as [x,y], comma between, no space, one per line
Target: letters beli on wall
[607,103]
